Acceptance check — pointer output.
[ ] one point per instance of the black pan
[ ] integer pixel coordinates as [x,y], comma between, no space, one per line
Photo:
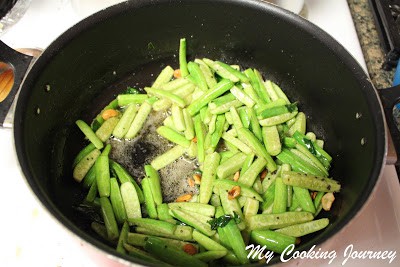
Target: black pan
[123,45]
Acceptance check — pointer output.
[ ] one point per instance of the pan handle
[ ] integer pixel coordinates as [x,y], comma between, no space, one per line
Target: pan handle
[390,97]
[18,63]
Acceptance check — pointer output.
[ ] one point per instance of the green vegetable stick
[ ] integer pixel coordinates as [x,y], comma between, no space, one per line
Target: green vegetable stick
[231,206]
[297,163]
[182,58]
[247,162]
[131,201]
[225,107]
[207,242]
[219,128]
[208,177]
[304,199]
[242,77]
[299,125]
[177,117]
[98,121]
[275,120]
[311,182]
[207,73]
[262,94]
[168,157]
[89,178]
[261,85]
[92,194]
[303,229]
[106,129]
[270,90]
[173,136]
[153,225]
[83,153]
[269,197]
[122,238]
[88,132]
[221,70]
[249,139]
[128,99]
[244,117]
[230,166]
[174,84]
[250,208]
[280,93]
[155,184]
[170,254]
[125,122]
[139,240]
[260,108]
[312,158]
[220,88]
[85,164]
[189,219]
[109,219]
[124,176]
[182,232]
[254,124]
[272,140]
[148,198]
[165,76]
[225,184]
[143,255]
[242,96]
[249,90]
[203,209]
[200,135]
[276,221]
[197,74]
[219,101]
[139,120]
[102,169]
[163,213]
[189,131]
[280,198]
[273,241]
[250,175]
[117,202]
[237,143]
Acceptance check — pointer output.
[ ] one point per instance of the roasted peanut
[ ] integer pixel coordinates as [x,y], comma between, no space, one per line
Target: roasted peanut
[184,198]
[189,249]
[197,178]
[190,182]
[236,176]
[177,73]
[234,192]
[327,201]
[109,113]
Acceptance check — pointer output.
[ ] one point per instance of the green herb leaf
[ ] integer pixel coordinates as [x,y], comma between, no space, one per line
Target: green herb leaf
[292,107]
[131,91]
[223,220]
[310,146]
[95,125]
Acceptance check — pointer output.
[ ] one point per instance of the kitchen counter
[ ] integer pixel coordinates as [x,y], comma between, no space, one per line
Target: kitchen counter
[35,238]
[370,44]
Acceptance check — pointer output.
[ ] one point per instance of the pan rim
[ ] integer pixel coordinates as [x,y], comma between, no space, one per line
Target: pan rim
[372,99]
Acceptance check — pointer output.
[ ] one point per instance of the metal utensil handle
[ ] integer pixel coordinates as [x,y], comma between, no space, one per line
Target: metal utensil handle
[390,97]
[19,63]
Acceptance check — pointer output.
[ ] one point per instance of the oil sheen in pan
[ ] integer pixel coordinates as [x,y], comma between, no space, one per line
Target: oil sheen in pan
[134,154]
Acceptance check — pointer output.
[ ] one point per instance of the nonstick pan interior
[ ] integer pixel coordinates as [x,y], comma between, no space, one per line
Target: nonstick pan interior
[130,43]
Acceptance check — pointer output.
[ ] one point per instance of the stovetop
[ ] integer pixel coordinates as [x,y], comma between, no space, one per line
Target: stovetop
[387,20]
[34,238]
